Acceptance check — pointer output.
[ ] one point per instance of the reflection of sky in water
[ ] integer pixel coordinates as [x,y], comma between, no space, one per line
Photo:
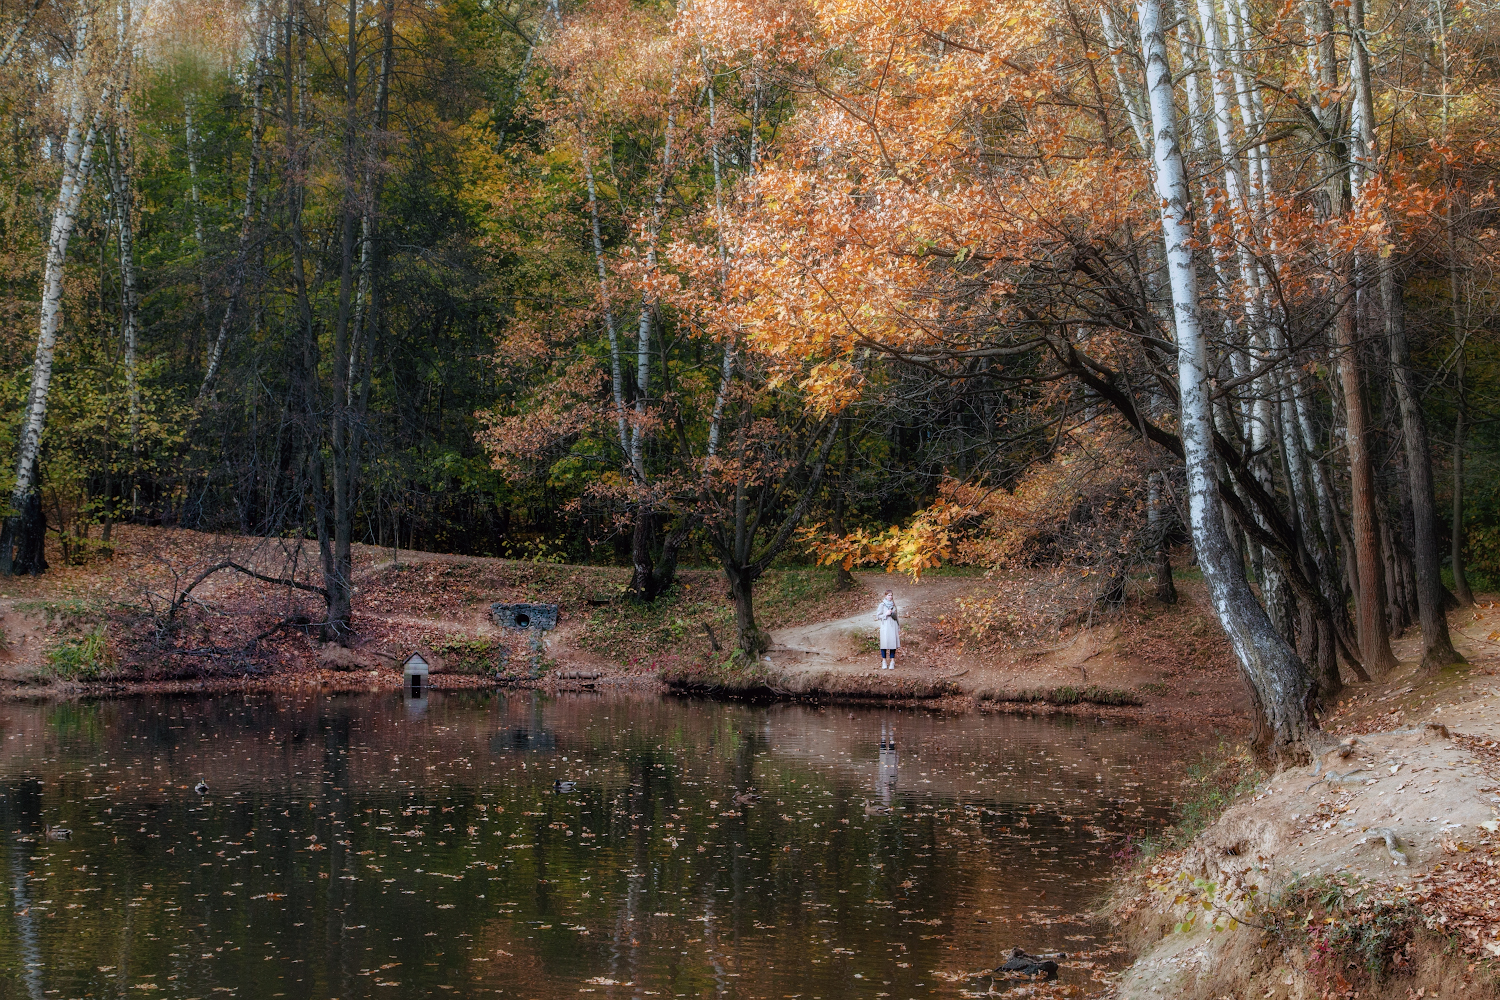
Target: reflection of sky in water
[356,846]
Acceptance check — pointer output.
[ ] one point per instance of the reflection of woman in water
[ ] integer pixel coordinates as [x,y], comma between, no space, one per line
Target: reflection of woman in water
[890,631]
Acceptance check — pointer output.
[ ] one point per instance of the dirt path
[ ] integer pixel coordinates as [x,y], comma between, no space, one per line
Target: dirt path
[848,645]
[1145,660]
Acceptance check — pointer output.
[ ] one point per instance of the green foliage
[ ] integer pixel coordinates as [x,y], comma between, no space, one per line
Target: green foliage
[1215,783]
[630,630]
[1093,694]
[539,550]
[1217,907]
[81,658]
[674,622]
[1484,556]
[64,611]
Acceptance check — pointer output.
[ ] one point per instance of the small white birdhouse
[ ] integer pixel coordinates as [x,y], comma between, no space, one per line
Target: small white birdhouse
[414,674]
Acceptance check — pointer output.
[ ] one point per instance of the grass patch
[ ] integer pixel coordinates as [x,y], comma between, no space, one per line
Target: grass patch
[674,622]
[784,596]
[1067,695]
[726,673]
[1213,784]
[469,654]
[64,611]
[81,658]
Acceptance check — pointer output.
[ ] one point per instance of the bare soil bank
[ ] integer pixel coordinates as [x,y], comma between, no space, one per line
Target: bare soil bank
[1371,873]
[1147,659]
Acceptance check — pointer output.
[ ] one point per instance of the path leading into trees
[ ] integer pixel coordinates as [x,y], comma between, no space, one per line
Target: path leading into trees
[849,644]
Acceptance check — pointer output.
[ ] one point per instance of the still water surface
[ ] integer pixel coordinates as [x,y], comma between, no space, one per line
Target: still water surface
[366,846]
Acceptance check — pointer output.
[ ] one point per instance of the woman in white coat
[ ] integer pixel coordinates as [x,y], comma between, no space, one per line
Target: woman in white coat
[890,631]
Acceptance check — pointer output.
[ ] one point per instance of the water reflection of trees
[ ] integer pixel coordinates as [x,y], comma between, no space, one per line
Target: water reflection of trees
[317,802]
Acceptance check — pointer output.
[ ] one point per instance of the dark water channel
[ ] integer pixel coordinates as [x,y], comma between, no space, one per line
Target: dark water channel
[358,846]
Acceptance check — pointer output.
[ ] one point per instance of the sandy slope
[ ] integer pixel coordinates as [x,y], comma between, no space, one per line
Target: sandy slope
[1422,763]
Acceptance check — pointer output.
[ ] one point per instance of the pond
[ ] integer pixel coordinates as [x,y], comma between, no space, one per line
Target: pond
[370,846]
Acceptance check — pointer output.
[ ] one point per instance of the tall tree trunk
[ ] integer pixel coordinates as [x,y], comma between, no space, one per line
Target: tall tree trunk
[1460,578]
[365,310]
[1278,683]
[726,363]
[305,370]
[1159,530]
[18,31]
[642,583]
[1437,646]
[735,542]
[750,640]
[337,556]
[190,139]
[1370,598]
[122,194]
[616,380]
[844,579]
[22,541]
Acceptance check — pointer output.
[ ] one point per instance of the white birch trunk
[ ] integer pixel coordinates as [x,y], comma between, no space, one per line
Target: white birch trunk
[1135,108]
[616,375]
[20,29]
[648,303]
[1277,680]
[726,368]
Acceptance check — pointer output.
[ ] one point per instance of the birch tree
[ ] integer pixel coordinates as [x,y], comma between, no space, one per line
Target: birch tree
[1273,673]
[99,65]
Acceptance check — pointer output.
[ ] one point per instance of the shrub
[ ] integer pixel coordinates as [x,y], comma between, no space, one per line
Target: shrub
[1344,928]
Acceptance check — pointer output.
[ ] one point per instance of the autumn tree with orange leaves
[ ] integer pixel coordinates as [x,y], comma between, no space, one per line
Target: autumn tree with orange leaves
[1188,217]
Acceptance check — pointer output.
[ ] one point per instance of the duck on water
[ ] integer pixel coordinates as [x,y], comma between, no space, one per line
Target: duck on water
[1031,965]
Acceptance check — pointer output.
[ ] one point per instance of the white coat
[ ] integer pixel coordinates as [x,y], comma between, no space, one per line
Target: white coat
[890,625]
